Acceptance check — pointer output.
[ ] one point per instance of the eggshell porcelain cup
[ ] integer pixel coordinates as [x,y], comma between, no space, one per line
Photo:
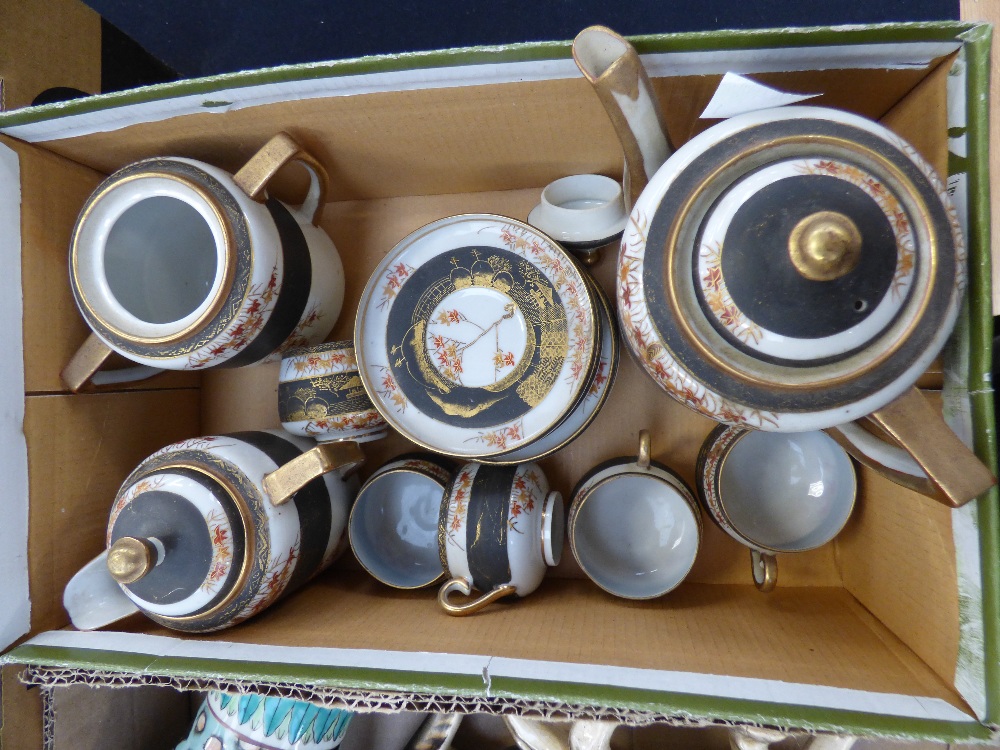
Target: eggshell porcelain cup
[195,543]
[238,722]
[393,528]
[499,528]
[775,492]
[320,395]
[634,526]
[178,265]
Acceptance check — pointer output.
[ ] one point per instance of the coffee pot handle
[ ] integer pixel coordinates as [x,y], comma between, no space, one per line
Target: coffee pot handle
[253,177]
[462,586]
[282,483]
[94,599]
[84,367]
[932,460]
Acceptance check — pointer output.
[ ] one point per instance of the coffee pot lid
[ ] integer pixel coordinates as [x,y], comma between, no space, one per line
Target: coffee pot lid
[176,542]
[794,261]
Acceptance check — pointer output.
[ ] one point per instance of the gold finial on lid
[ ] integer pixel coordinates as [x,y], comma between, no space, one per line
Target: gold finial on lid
[130,558]
[825,246]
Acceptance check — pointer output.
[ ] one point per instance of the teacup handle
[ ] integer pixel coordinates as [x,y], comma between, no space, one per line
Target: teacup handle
[276,153]
[932,461]
[90,357]
[764,567]
[94,599]
[282,483]
[462,586]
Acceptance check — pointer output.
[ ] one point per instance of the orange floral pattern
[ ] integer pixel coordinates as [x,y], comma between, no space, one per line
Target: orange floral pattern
[149,484]
[458,505]
[222,550]
[276,579]
[502,437]
[646,342]
[345,423]
[389,390]
[718,299]
[393,281]
[323,363]
[256,311]
[301,336]
[525,495]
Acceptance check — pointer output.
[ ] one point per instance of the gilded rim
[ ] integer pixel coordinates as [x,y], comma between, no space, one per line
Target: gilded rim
[350,520]
[229,262]
[239,257]
[250,544]
[727,436]
[360,350]
[605,303]
[630,468]
[704,348]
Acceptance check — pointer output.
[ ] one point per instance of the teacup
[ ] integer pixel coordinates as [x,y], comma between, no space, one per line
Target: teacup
[179,265]
[499,528]
[634,526]
[393,528]
[320,395]
[775,491]
[194,542]
[234,722]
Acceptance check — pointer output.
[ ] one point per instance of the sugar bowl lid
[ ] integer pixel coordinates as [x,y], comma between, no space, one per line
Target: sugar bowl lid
[794,260]
[176,542]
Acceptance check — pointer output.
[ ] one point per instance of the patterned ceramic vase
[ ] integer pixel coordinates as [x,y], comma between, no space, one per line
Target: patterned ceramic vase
[176,264]
[499,528]
[196,544]
[258,722]
[320,395]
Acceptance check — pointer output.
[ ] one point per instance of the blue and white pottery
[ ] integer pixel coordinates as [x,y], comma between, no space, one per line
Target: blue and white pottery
[257,722]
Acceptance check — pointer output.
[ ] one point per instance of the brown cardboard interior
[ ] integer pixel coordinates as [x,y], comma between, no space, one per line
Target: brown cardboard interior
[844,615]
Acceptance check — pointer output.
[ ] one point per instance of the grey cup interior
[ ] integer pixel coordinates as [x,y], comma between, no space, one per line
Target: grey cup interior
[160,259]
[787,491]
[636,536]
[393,528]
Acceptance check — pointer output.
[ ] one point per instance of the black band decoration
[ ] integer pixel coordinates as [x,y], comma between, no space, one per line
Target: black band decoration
[486,526]
[293,294]
[312,503]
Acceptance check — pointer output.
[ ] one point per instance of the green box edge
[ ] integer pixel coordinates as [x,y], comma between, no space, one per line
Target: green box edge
[977,40]
[521,52]
[685,707]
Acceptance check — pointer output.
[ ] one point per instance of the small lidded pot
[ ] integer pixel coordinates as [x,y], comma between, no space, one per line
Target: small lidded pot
[499,528]
[320,395]
[195,543]
[250,720]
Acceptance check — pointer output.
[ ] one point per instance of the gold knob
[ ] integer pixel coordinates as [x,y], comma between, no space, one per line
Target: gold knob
[129,559]
[825,246]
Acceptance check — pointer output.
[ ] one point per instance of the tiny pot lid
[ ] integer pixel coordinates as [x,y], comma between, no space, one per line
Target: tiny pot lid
[176,541]
[791,262]
[476,335]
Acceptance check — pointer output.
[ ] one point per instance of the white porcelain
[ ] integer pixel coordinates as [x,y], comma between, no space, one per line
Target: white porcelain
[175,266]
[320,395]
[582,211]
[219,550]
[634,527]
[393,528]
[508,528]
[476,335]
[593,401]
[776,492]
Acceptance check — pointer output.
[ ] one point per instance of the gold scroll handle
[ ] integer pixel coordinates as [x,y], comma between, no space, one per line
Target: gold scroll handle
[282,483]
[953,474]
[252,179]
[764,567]
[462,586]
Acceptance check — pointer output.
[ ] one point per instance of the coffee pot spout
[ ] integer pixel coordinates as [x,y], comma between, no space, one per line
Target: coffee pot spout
[614,69]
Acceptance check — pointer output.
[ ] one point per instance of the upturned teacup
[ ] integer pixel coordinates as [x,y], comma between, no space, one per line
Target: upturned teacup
[775,491]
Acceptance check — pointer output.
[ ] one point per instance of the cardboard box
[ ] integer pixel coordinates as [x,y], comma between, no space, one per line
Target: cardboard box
[891,631]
